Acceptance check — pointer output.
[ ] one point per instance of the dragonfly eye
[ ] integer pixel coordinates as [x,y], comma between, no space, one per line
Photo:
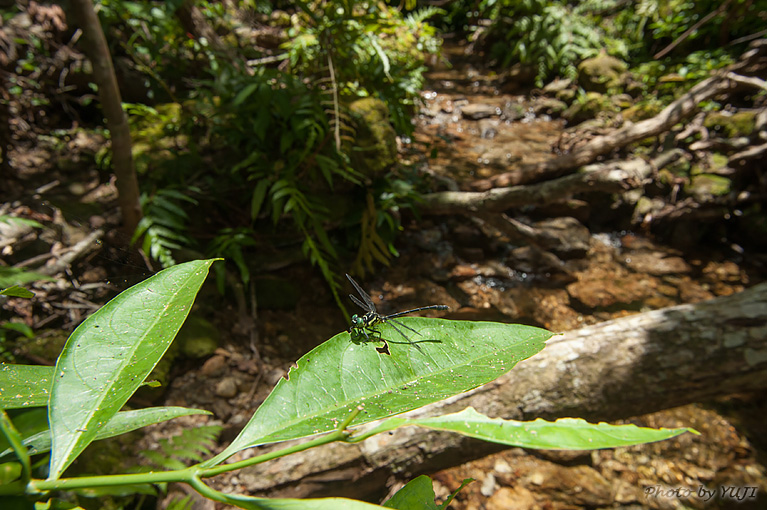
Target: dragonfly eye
[356,320]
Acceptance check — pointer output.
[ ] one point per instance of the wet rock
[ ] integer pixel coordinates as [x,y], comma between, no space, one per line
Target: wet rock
[566,237]
[479,111]
[656,263]
[558,85]
[549,106]
[514,111]
[608,289]
[531,260]
[488,128]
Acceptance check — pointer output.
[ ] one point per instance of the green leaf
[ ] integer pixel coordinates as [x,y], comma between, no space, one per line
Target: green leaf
[562,434]
[24,385]
[16,291]
[445,358]
[12,276]
[15,221]
[244,93]
[19,327]
[121,423]
[111,353]
[417,494]
[258,198]
[252,503]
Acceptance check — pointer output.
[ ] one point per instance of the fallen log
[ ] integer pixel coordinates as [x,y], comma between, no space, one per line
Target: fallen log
[610,177]
[613,370]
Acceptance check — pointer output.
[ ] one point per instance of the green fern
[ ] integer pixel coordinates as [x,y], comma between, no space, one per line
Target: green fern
[164,225]
[551,36]
[190,446]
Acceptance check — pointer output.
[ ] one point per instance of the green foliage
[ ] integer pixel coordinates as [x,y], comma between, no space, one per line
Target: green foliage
[190,446]
[374,51]
[268,143]
[109,355]
[549,35]
[149,34]
[164,225]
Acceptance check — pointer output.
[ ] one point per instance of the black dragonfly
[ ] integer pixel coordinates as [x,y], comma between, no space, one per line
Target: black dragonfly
[365,324]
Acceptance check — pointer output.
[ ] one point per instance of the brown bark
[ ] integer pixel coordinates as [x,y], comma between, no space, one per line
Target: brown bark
[610,177]
[97,51]
[617,369]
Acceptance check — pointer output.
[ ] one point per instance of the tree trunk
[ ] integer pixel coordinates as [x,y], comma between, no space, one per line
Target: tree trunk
[613,370]
[97,51]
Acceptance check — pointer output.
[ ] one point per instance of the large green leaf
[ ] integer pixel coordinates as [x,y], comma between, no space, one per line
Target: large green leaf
[122,422]
[562,434]
[111,353]
[444,359]
[252,503]
[24,385]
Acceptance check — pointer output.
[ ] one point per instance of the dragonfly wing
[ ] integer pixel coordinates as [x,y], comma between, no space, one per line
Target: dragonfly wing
[360,304]
[364,295]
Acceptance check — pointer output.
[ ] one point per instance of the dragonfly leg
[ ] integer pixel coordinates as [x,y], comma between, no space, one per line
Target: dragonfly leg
[384,349]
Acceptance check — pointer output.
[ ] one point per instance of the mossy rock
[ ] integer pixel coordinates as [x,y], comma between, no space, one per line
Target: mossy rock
[601,73]
[588,107]
[731,125]
[155,141]
[641,111]
[706,186]
[375,148]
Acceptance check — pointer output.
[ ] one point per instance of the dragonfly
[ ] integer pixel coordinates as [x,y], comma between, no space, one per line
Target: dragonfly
[365,323]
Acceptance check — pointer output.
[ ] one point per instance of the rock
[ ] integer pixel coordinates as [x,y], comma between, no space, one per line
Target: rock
[656,263]
[600,73]
[606,291]
[375,147]
[479,111]
[214,366]
[226,387]
[549,106]
[488,128]
[558,85]
[566,237]
[514,111]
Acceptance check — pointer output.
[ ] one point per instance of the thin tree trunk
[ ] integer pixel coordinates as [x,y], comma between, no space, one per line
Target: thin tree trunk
[111,102]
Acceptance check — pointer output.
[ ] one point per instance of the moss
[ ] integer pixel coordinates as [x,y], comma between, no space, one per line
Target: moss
[704,186]
[731,125]
[375,148]
[601,73]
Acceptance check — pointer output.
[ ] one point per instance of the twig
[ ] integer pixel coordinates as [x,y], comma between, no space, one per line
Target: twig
[662,53]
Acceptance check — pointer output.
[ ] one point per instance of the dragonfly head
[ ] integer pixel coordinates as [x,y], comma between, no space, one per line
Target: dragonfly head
[357,321]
